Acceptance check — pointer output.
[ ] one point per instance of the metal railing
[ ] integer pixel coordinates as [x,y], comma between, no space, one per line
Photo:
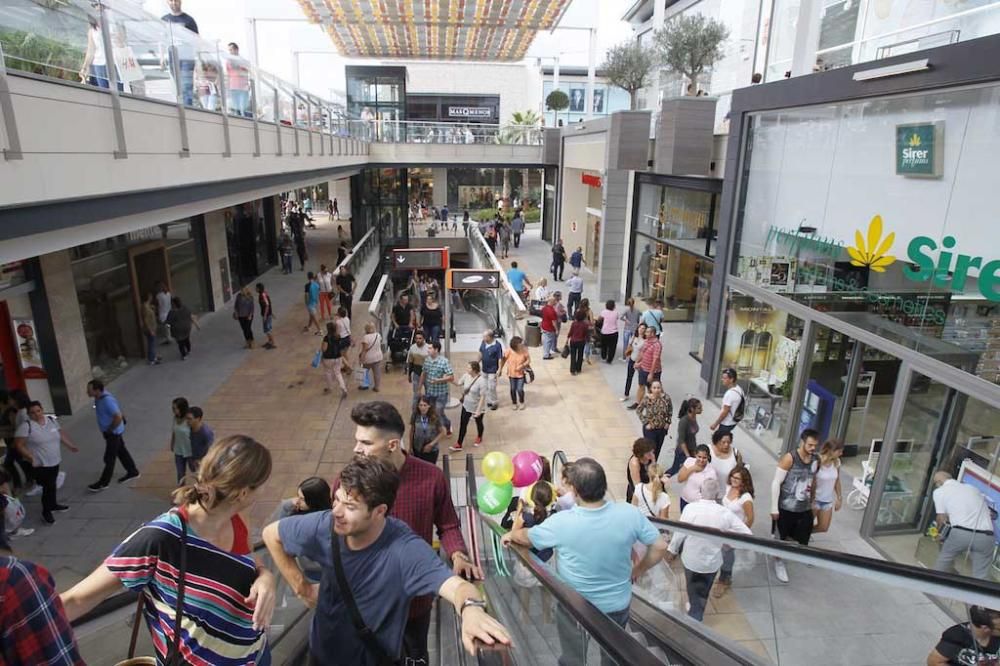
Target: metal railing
[70,40]
[512,311]
[412,131]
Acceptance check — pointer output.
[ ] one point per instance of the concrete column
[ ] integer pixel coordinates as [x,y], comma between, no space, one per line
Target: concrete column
[218,258]
[341,190]
[614,229]
[806,37]
[591,72]
[440,179]
[67,324]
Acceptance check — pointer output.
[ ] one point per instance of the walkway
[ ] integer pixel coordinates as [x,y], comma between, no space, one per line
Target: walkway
[818,617]
[276,397]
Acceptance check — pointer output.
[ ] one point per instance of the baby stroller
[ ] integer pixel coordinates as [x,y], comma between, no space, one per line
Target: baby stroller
[400,339]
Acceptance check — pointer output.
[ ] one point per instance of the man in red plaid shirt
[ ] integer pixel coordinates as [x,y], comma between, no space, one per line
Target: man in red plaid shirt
[33,626]
[423,502]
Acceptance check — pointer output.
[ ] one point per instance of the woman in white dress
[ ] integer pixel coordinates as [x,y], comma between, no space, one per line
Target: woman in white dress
[738,498]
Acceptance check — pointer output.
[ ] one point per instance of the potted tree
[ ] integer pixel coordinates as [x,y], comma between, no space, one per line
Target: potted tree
[628,66]
[689,44]
[557,101]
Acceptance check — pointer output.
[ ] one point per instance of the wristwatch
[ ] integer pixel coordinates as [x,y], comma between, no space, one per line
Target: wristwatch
[477,603]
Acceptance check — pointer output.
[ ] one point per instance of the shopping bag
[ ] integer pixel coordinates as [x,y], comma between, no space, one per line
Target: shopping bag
[317,358]
[366,379]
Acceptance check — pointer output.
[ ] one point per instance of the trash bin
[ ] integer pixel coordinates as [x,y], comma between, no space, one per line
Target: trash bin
[533,332]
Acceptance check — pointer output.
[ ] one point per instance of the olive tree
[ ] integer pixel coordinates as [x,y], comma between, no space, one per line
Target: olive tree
[689,44]
[628,66]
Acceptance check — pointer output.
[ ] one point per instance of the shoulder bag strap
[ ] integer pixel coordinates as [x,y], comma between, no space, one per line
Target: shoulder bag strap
[642,491]
[174,655]
[366,635]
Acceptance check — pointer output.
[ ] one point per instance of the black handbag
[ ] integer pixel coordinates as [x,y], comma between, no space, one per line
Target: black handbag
[565,351]
[174,654]
[367,636]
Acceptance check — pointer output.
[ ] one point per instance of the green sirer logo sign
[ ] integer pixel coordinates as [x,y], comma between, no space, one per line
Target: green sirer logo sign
[919,149]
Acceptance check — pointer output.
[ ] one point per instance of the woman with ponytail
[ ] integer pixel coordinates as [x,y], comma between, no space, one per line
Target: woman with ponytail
[543,499]
[228,597]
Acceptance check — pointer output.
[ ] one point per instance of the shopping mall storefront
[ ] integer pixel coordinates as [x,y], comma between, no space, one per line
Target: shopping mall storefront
[862,296]
[672,247]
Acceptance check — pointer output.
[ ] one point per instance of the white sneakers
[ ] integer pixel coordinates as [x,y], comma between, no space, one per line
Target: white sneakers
[780,572]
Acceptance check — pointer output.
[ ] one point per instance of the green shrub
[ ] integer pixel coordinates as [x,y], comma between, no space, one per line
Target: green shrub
[27,52]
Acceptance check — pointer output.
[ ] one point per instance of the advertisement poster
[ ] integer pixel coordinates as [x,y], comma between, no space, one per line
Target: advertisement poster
[753,333]
[478,196]
[577,99]
[27,348]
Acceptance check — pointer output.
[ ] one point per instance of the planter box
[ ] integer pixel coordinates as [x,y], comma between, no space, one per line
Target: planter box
[684,136]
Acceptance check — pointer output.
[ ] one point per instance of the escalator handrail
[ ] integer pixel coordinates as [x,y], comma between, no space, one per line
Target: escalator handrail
[927,581]
[560,458]
[618,644]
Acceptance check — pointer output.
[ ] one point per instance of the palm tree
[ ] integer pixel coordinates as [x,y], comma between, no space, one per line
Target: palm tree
[522,127]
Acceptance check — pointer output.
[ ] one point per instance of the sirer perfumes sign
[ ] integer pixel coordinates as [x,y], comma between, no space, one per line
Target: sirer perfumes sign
[920,149]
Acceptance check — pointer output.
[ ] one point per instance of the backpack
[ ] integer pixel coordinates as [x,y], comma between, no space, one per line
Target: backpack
[740,407]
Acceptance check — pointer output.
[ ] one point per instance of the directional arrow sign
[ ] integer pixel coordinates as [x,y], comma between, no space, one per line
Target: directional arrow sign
[435,258]
[462,278]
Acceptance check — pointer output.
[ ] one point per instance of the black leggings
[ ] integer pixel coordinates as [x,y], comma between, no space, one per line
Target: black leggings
[245,324]
[629,374]
[184,346]
[609,346]
[464,425]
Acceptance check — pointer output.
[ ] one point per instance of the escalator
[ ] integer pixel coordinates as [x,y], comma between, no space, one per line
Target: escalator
[837,608]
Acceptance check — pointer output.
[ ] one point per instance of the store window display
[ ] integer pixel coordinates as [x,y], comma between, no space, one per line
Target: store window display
[837,214]
[762,344]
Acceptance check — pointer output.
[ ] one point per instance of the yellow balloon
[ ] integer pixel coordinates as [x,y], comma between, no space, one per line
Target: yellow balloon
[498,468]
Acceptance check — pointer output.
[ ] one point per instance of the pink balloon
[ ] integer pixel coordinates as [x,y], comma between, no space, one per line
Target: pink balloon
[527,468]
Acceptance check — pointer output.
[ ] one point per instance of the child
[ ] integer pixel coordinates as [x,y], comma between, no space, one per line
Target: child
[543,501]
[13,510]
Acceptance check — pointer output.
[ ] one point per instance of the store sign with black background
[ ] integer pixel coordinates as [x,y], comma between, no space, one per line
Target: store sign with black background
[478,112]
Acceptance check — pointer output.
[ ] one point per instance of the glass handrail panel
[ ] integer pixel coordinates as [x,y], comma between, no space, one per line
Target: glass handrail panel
[150,57]
[238,73]
[141,47]
[799,607]
[46,41]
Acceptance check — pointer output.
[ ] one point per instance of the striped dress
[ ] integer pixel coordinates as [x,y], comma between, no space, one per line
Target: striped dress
[217,629]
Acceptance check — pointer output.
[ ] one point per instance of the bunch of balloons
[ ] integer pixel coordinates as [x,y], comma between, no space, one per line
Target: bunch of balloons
[503,474]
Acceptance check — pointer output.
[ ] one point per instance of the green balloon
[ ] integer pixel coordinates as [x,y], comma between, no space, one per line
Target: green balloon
[494,498]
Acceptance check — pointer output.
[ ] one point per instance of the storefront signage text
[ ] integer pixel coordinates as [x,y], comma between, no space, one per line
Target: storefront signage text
[951,275]
[949,271]
[588,179]
[470,112]
[796,240]
[918,307]
[919,149]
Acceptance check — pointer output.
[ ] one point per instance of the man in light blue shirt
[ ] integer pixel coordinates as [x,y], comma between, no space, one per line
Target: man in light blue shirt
[111,421]
[594,543]
[517,278]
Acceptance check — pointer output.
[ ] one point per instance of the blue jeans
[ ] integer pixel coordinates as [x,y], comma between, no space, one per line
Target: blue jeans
[698,587]
[239,103]
[183,464]
[187,82]
[432,333]
[151,347]
[516,389]
[99,78]
[548,343]
[573,639]
[626,338]
[657,435]
[440,402]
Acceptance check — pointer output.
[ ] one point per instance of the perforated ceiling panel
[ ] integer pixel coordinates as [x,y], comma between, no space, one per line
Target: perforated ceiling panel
[434,29]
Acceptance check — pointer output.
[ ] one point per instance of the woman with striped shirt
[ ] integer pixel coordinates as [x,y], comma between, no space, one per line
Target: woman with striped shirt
[228,598]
